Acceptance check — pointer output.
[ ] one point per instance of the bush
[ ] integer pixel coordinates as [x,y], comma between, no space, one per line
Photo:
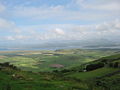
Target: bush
[114,65]
[94,66]
[65,70]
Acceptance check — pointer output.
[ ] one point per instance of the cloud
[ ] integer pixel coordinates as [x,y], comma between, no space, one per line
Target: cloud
[104,5]
[65,13]
[17,37]
[2,8]
[107,26]
[108,7]
[38,12]
[8,26]
[106,30]
[5,24]
[30,22]
[74,11]
[59,31]
[77,32]
[9,38]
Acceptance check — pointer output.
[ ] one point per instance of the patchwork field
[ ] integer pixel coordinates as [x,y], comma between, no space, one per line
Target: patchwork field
[52,60]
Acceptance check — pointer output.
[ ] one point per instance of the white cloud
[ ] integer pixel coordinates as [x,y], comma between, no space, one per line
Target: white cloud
[78,32]
[109,6]
[59,31]
[38,12]
[64,13]
[17,37]
[5,24]
[106,30]
[107,26]
[8,26]
[17,30]
[104,5]
[95,11]
[2,8]
[105,10]
[9,38]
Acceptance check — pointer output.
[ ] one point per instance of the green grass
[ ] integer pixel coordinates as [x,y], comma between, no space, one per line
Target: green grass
[92,74]
[72,80]
[43,81]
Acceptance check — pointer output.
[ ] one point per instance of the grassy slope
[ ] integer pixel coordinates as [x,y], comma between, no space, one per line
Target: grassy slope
[43,81]
[92,74]
[64,81]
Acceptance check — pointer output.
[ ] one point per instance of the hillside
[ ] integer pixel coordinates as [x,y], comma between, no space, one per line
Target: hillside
[88,76]
[45,60]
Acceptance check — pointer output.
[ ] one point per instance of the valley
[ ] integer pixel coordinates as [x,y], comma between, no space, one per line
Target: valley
[74,69]
[47,60]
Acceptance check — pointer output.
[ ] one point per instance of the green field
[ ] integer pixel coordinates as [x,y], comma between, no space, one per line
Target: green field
[83,70]
[92,74]
[42,60]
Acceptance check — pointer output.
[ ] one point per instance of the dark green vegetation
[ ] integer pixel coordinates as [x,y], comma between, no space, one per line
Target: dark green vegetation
[95,74]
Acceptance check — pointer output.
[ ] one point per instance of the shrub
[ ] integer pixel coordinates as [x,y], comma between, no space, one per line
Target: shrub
[94,66]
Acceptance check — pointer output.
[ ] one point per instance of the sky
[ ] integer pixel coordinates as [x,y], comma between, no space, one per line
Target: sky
[37,21]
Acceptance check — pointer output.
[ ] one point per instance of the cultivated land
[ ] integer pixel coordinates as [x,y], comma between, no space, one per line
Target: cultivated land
[74,69]
[44,60]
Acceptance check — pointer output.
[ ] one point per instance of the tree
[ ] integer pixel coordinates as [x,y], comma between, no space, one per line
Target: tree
[94,66]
